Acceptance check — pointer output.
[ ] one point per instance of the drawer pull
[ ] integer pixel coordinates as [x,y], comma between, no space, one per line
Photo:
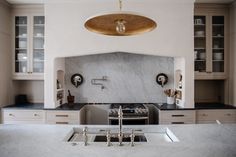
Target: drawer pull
[11,114]
[177,115]
[228,114]
[204,115]
[62,115]
[62,123]
[36,115]
[177,122]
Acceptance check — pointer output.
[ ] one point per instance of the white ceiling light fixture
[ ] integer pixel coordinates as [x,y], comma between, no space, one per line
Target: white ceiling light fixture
[120,23]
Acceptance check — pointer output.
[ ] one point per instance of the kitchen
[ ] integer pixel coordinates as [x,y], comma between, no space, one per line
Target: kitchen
[104,72]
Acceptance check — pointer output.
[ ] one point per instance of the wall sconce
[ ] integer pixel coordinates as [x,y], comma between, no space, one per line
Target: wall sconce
[162,79]
[76,80]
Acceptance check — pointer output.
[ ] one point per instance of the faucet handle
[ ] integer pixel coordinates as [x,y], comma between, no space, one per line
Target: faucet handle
[108,138]
[132,136]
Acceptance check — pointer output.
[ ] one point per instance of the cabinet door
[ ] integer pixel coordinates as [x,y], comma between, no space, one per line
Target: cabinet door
[210,43]
[218,43]
[38,44]
[200,43]
[21,44]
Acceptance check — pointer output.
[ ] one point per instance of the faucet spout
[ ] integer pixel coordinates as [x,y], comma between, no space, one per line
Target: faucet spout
[120,134]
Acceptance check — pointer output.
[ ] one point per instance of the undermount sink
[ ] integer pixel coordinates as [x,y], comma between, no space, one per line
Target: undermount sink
[103,138]
[98,135]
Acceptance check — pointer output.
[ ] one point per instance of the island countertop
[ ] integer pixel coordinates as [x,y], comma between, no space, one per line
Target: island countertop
[204,140]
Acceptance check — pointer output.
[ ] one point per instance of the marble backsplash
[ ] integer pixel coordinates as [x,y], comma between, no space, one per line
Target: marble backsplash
[131,78]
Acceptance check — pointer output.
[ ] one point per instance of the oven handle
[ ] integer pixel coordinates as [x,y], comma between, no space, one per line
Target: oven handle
[128,118]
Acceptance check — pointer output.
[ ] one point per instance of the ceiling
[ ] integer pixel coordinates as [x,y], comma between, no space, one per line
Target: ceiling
[42,1]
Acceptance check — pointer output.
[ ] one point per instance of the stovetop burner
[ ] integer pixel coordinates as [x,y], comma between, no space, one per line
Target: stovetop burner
[126,106]
[129,110]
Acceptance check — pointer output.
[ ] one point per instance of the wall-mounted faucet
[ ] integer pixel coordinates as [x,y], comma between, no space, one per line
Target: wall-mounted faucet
[98,82]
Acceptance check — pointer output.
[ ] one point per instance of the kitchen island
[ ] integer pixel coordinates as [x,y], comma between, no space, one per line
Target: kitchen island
[49,140]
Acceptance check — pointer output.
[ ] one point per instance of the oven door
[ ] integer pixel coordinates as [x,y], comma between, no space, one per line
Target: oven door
[130,121]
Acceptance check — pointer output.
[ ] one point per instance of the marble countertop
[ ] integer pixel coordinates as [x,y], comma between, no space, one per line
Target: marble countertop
[47,140]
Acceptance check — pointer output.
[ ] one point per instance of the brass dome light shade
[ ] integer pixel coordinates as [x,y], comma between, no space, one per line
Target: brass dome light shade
[120,23]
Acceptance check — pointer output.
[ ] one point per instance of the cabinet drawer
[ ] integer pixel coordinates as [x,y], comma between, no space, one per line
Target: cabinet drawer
[62,117]
[223,116]
[177,117]
[23,116]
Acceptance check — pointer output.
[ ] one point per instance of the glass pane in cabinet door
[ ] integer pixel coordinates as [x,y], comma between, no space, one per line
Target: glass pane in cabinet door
[38,44]
[21,44]
[200,43]
[218,43]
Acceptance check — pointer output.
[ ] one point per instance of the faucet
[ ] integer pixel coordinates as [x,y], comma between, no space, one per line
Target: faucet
[85,130]
[120,134]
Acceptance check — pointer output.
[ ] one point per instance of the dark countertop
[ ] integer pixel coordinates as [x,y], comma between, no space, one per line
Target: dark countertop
[78,106]
[28,106]
[206,106]
[165,106]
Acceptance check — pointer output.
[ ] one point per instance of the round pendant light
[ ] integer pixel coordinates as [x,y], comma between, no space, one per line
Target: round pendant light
[120,23]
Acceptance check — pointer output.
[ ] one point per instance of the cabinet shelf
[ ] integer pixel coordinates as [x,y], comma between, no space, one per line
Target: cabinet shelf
[217,25]
[200,60]
[21,25]
[218,48]
[199,36]
[21,60]
[39,25]
[21,37]
[40,37]
[218,60]
[60,90]
[21,48]
[38,60]
[218,36]
[199,24]
[199,48]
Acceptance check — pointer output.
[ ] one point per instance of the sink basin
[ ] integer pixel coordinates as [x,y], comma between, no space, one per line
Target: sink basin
[103,138]
[98,135]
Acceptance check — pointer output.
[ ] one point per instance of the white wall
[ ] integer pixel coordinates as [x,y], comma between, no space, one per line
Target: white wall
[232,79]
[66,35]
[5,54]
[33,89]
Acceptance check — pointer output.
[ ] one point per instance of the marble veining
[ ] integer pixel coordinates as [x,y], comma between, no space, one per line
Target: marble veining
[131,77]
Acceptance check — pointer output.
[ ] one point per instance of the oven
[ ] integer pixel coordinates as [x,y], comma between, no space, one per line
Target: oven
[133,114]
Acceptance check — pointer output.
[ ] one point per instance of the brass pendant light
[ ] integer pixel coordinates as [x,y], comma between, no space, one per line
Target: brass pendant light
[120,23]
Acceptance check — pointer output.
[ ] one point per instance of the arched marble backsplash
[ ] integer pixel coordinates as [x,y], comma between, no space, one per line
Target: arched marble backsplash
[131,77]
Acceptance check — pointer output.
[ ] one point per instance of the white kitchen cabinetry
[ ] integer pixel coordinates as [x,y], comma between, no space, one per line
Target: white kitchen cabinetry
[22,116]
[176,117]
[210,116]
[64,117]
[28,49]
[211,41]
[96,114]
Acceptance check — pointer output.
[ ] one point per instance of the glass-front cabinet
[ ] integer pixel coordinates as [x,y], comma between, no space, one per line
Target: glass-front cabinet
[210,44]
[29,47]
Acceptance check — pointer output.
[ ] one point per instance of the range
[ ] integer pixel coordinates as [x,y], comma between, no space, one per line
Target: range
[133,113]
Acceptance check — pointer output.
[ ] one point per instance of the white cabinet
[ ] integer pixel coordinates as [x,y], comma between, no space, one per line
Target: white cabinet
[210,116]
[64,117]
[22,116]
[96,114]
[176,117]
[28,49]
